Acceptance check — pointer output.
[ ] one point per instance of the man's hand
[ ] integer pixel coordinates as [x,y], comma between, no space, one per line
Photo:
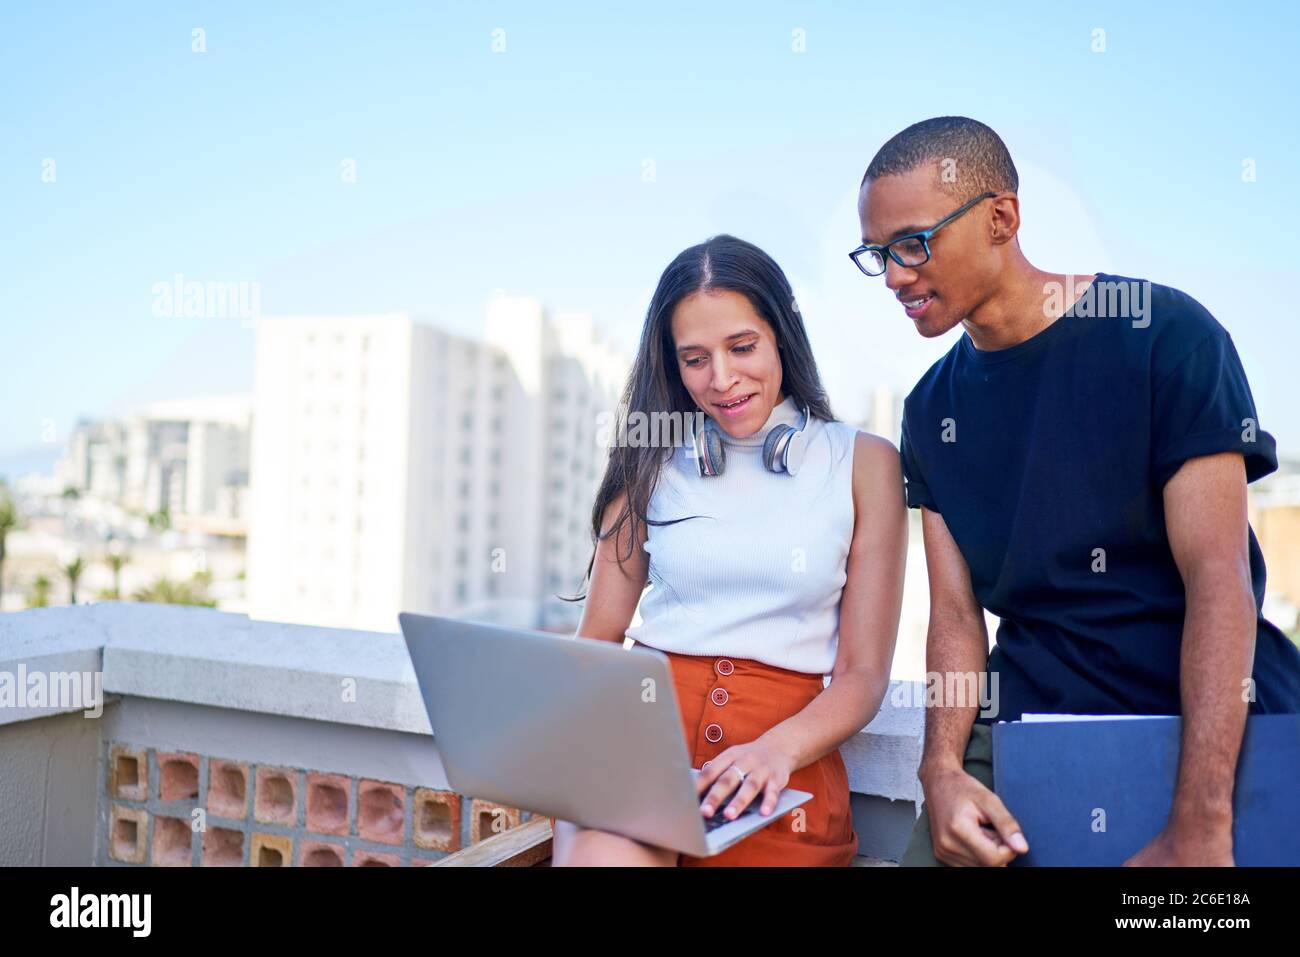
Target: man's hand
[1206,518]
[1206,845]
[969,824]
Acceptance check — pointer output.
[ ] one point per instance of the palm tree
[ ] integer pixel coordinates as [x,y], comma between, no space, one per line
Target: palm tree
[164,591]
[73,572]
[39,596]
[161,520]
[115,561]
[8,522]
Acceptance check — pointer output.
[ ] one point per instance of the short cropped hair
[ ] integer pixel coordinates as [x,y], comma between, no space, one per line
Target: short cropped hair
[973,159]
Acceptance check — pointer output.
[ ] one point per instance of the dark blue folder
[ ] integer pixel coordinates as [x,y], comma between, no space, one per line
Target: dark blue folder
[1096,792]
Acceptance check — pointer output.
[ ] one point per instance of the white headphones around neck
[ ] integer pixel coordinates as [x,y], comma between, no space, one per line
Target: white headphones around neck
[783,448]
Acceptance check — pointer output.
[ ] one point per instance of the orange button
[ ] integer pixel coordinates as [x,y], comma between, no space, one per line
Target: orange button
[719,696]
[724,667]
[713,733]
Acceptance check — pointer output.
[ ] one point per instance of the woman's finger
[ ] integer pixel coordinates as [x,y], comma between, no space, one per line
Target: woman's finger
[727,784]
[723,786]
[711,770]
[748,791]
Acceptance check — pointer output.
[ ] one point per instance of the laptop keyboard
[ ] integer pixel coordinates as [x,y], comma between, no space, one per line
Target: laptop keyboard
[718,819]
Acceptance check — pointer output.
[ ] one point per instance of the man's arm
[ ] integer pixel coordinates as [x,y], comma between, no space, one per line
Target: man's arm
[1205,516]
[969,824]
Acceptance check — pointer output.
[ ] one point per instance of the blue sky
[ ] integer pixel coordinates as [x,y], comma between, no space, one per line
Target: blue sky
[522,171]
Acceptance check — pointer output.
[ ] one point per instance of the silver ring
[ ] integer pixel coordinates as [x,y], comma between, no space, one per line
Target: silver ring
[743,775]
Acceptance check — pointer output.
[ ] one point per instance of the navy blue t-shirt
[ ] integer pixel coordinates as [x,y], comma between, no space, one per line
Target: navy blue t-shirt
[1047,461]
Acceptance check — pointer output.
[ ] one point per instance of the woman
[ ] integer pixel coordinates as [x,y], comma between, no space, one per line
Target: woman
[768,568]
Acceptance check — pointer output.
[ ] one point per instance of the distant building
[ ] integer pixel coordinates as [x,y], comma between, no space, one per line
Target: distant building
[1275,517]
[189,456]
[397,467]
[96,460]
[885,414]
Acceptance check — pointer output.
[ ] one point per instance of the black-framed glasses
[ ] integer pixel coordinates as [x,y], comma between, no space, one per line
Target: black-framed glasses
[910,250]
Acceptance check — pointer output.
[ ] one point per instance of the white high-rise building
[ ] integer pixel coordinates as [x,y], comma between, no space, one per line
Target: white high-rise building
[96,460]
[585,380]
[189,456]
[216,471]
[397,467]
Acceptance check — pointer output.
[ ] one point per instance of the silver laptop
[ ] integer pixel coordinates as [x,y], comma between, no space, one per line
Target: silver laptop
[583,730]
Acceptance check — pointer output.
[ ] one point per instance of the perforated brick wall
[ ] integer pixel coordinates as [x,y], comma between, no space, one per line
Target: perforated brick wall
[180,809]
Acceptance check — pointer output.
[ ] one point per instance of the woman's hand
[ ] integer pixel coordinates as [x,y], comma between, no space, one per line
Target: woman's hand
[767,769]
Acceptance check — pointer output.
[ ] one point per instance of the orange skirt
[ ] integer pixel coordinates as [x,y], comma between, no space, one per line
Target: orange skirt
[729,701]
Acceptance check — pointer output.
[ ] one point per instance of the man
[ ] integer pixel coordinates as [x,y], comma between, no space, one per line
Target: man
[1080,458]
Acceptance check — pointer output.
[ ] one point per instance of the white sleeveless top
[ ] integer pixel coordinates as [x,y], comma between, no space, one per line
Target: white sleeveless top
[761,573]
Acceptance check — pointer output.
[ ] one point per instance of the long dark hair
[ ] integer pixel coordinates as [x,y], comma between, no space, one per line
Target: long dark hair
[655,386]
